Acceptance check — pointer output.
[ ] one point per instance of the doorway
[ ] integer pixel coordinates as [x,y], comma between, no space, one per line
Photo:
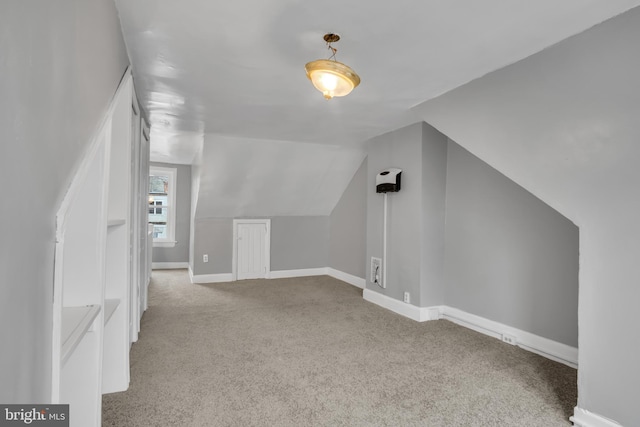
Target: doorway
[251,249]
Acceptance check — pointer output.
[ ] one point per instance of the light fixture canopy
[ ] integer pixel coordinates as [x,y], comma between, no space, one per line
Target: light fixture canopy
[329,76]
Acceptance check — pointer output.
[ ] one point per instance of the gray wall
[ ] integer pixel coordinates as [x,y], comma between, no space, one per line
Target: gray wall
[563,123]
[462,234]
[214,237]
[509,256]
[416,214]
[403,149]
[180,252]
[348,227]
[61,64]
[297,242]
[432,231]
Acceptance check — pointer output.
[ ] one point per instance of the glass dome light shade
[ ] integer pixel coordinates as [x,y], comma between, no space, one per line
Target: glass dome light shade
[332,78]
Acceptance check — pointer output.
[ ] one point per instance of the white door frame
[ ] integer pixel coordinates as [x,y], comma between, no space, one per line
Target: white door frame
[267,242]
[134,229]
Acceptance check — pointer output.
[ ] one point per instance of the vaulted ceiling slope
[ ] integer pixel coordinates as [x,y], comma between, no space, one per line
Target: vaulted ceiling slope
[242,177]
[562,123]
[219,72]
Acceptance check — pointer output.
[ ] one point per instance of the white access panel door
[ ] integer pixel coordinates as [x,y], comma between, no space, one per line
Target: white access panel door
[252,250]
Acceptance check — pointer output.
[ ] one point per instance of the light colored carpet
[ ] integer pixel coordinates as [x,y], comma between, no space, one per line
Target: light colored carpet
[311,352]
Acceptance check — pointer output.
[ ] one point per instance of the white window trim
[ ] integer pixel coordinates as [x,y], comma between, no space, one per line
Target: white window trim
[172,173]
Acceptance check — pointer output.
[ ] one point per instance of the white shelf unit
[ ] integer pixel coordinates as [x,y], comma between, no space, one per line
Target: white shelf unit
[79,286]
[115,368]
[92,279]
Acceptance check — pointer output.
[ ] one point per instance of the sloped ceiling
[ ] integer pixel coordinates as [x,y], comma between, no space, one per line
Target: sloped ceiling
[562,123]
[248,177]
[236,69]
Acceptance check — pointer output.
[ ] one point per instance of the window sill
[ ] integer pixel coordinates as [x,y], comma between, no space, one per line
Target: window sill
[164,244]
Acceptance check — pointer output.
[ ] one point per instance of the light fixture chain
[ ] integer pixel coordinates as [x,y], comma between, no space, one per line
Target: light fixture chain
[333,51]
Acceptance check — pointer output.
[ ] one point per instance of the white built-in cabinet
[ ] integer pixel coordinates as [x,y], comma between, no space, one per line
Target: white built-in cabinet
[98,265]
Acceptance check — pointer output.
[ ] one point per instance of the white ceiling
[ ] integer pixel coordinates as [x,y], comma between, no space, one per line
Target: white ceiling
[236,68]
[224,82]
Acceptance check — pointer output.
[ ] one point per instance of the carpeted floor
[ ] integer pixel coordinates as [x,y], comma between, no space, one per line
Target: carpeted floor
[311,352]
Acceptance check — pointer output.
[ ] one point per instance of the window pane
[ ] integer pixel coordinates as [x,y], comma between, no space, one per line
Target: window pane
[159,231]
[158,184]
[158,216]
[160,204]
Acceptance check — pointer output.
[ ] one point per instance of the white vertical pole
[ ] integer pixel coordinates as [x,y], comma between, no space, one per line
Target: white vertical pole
[384,245]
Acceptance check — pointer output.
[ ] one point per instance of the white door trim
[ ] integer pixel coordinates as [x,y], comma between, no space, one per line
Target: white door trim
[267,242]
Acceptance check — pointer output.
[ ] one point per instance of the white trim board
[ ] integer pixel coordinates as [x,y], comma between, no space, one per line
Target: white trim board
[543,346]
[583,418]
[303,272]
[356,281]
[534,343]
[278,274]
[169,265]
[419,314]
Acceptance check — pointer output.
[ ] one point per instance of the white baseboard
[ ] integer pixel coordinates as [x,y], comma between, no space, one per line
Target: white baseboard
[583,418]
[169,265]
[356,281]
[543,346]
[536,344]
[419,314]
[210,278]
[280,274]
[303,272]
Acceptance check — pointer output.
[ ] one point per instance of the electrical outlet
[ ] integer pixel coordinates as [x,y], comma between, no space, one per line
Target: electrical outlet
[407,297]
[376,272]
[205,258]
[509,339]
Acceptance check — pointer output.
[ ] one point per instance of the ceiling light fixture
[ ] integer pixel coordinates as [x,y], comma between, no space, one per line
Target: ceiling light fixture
[329,76]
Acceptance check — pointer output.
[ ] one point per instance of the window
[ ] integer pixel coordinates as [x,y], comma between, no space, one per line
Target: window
[162,205]
[157,211]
